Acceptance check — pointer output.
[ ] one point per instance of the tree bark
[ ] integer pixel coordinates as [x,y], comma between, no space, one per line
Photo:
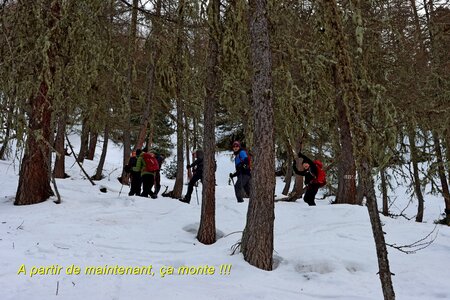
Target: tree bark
[377,229]
[34,180]
[34,177]
[101,163]
[207,230]
[178,186]
[84,140]
[187,146]
[93,136]
[361,141]
[151,77]
[384,190]
[128,104]
[9,119]
[441,171]
[346,166]
[297,190]
[416,177]
[257,238]
[59,170]
[288,177]
[447,146]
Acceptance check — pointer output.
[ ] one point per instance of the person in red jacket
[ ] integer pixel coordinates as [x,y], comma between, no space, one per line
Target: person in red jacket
[147,165]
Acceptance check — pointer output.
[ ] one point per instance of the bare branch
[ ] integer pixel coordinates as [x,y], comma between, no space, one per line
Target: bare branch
[417,245]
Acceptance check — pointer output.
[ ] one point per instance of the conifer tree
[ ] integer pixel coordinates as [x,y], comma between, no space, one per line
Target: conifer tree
[257,238]
[207,230]
[361,143]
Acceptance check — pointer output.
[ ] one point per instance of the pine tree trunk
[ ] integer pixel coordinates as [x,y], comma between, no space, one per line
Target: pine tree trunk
[59,169]
[447,153]
[257,238]
[384,190]
[151,77]
[84,140]
[195,133]
[187,146]
[92,144]
[361,141]
[207,230]
[34,177]
[447,146]
[346,167]
[178,186]
[380,243]
[9,119]
[441,172]
[416,177]
[288,177]
[297,190]
[127,115]
[101,163]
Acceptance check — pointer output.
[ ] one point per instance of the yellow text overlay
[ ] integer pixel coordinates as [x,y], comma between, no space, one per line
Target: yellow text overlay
[105,270]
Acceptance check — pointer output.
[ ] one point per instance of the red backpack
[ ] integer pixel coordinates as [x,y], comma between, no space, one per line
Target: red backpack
[151,163]
[321,178]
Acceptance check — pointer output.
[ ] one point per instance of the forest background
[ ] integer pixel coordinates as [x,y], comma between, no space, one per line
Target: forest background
[362,85]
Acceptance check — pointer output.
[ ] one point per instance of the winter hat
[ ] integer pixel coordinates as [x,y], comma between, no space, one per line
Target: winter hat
[199,153]
[236,144]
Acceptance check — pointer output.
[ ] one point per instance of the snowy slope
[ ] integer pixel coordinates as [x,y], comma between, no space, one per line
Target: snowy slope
[323,252]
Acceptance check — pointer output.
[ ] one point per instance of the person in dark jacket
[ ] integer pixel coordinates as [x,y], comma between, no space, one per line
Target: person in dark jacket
[160,158]
[135,174]
[310,173]
[197,170]
[242,164]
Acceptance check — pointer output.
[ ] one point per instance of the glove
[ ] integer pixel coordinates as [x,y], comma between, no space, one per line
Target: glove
[188,166]
[231,175]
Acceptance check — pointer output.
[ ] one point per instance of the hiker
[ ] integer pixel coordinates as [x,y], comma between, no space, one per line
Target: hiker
[160,158]
[197,170]
[148,165]
[311,173]
[135,174]
[242,164]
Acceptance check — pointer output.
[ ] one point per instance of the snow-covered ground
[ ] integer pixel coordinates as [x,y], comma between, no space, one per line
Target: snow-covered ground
[51,251]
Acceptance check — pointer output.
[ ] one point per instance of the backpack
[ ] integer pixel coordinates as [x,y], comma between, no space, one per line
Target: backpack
[249,158]
[321,178]
[131,164]
[151,163]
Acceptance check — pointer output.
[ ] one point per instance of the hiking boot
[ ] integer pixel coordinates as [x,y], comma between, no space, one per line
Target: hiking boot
[153,196]
[185,200]
[157,189]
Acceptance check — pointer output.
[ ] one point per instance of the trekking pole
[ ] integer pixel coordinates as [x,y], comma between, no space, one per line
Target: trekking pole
[120,189]
[129,184]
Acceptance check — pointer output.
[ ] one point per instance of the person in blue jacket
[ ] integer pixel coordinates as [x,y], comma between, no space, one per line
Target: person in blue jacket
[242,164]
